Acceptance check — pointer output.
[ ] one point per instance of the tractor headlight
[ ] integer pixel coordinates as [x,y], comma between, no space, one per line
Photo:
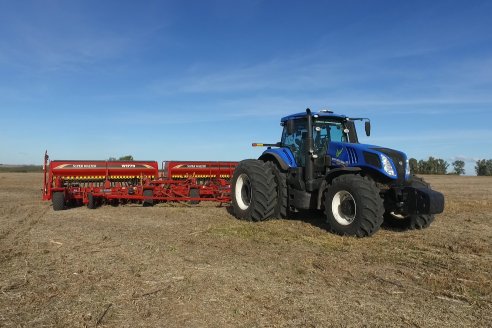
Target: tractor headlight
[388,168]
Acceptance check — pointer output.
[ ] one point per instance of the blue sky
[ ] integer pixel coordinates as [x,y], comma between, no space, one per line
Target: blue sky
[203,79]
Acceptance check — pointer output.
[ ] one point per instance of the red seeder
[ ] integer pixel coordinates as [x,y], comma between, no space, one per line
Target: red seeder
[94,182]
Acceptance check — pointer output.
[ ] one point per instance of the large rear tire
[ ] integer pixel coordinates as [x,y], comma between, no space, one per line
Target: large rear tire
[58,200]
[254,196]
[282,208]
[353,206]
[410,222]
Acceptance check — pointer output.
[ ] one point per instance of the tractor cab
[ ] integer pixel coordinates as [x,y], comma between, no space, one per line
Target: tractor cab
[326,128]
[323,141]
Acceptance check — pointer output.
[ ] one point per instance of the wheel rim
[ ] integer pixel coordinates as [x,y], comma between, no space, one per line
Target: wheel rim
[343,207]
[243,192]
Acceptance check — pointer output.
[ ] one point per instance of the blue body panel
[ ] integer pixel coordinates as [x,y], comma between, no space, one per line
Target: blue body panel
[345,154]
[285,155]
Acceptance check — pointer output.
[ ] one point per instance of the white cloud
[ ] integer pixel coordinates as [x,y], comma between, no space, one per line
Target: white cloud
[342,82]
[465,159]
[64,36]
[452,136]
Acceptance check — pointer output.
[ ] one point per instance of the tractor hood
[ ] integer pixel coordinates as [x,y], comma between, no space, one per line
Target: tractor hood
[389,162]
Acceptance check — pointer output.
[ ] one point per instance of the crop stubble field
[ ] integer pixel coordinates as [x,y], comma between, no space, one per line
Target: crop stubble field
[180,266]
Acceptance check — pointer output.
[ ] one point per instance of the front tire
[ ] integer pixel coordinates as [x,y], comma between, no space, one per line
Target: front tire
[353,206]
[254,196]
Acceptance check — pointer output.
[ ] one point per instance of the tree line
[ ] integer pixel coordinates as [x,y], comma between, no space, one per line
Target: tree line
[430,166]
[122,158]
[483,167]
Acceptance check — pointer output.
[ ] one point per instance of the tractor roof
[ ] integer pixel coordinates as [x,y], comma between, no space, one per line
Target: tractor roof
[321,113]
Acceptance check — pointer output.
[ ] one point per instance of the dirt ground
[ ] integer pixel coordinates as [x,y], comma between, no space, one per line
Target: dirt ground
[182,266]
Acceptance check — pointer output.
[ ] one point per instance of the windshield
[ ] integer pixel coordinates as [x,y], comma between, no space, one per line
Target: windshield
[324,131]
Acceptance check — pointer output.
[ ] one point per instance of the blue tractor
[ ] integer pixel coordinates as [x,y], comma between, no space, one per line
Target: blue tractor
[320,164]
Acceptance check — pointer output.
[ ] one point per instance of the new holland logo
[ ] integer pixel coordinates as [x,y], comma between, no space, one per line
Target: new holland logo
[339,152]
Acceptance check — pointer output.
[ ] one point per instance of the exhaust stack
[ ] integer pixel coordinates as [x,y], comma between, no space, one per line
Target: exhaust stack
[309,146]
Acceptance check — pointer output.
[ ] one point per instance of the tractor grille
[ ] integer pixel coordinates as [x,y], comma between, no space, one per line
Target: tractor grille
[352,156]
[372,159]
[398,159]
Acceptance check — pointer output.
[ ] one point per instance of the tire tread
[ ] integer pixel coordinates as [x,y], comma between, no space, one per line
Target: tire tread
[262,180]
[58,199]
[371,218]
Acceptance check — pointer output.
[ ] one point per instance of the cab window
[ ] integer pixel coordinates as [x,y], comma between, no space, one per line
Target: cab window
[295,140]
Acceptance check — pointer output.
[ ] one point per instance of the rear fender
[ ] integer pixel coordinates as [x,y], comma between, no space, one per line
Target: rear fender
[283,156]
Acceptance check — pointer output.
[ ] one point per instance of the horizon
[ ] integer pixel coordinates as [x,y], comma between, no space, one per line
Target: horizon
[202,81]
[6,165]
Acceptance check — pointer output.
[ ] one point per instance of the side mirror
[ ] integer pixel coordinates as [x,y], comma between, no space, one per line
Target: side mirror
[367,126]
[291,128]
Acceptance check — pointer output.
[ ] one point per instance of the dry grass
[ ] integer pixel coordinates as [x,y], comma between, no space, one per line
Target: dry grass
[178,266]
